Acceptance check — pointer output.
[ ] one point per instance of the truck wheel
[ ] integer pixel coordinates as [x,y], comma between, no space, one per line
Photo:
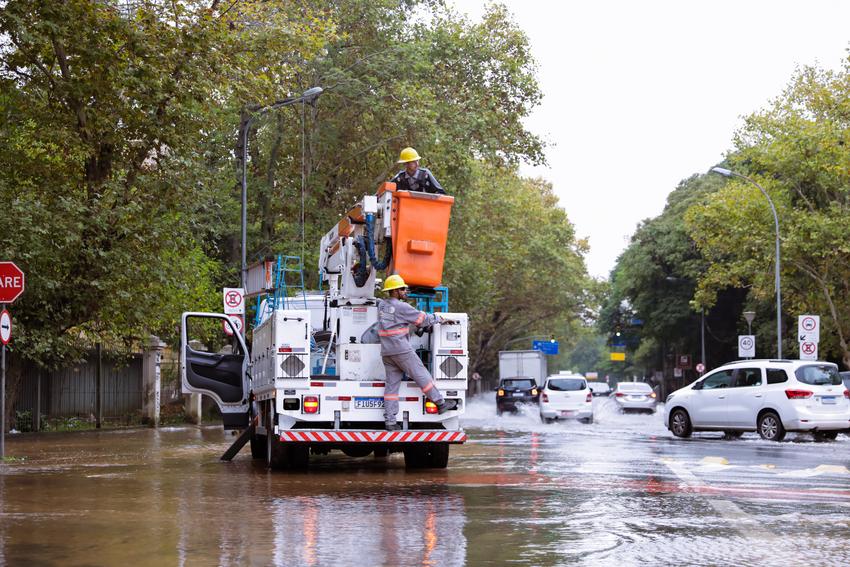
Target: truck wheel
[437,455]
[299,455]
[381,453]
[258,446]
[427,456]
[413,457]
[276,457]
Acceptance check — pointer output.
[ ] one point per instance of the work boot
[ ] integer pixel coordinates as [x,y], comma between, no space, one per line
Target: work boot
[444,406]
[392,426]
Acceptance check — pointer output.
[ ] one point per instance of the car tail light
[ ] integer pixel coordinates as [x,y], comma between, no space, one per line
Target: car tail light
[798,394]
[534,391]
[545,397]
[846,394]
[430,407]
[589,397]
[500,393]
[311,404]
[619,394]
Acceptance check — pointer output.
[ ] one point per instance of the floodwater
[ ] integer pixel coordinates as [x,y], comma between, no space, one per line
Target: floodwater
[621,491]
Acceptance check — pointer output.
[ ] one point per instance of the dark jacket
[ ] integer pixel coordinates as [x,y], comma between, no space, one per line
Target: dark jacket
[422,180]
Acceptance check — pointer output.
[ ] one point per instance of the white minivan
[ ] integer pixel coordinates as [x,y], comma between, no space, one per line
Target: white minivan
[566,396]
[768,396]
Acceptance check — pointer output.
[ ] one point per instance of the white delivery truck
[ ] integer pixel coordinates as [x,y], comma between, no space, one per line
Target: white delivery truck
[312,380]
[523,363]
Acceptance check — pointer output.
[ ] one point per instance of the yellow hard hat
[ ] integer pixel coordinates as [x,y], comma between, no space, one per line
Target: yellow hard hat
[408,154]
[393,282]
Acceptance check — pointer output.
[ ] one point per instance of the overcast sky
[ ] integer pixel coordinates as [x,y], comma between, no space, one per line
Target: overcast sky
[639,95]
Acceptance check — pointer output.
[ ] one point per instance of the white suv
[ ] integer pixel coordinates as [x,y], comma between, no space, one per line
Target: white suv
[768,396]
[566,396]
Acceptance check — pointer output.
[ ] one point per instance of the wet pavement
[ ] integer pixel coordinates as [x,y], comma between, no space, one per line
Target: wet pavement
[621,491]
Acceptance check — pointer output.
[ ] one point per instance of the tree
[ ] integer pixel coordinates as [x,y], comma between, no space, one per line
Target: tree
[797,149]
[111,154]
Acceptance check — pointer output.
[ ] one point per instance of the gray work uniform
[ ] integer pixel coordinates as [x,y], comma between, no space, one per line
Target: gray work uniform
[422,180]
[394,320]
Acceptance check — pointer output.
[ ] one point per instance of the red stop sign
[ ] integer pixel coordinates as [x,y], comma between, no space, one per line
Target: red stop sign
[11,282]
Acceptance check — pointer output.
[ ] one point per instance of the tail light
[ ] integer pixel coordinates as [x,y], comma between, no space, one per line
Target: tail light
[534,391]
[846,394]
[589,397]
[798,394]
[311,404]
[500,393]
[652,395]
[430,407]
[619,395]
[545,397]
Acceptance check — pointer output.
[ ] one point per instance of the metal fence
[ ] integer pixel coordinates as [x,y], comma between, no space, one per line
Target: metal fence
[72,391]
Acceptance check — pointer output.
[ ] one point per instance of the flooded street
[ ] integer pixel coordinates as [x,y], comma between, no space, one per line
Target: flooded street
[620,491]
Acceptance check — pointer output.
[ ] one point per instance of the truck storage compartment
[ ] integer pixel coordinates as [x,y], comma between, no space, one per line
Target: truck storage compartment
[420,226]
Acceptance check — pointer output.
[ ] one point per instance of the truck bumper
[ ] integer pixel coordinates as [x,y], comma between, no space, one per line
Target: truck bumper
[374,436]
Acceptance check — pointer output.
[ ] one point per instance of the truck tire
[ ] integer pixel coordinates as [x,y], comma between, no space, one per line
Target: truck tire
[258,446]
[427,456]
[276,451]
[298,455]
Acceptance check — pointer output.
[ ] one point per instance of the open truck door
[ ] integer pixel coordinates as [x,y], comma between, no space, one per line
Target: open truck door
[214,360]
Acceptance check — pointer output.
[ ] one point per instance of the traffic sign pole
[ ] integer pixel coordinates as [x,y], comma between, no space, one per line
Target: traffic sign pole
[3,396]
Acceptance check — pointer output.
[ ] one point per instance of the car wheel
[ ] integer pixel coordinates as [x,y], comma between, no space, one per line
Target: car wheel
[825,435]
[588,420]
[680,423]
[770,427]
[732,434]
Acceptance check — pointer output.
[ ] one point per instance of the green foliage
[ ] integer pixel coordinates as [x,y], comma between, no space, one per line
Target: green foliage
[518,271]
[112,157]
[798,149]
[119,130]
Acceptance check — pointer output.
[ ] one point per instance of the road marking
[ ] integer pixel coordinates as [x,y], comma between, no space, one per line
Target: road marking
[726,508]
[816,471]
[714,461]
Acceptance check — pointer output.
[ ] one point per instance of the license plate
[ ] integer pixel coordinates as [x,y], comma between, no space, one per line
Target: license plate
[636,398]
[518,394]
[368,403]
[567,413]
[828,399]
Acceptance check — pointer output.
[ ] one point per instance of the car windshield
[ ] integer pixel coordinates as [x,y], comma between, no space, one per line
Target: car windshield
[634,387]
[819,375]
[566,384]
[518,384]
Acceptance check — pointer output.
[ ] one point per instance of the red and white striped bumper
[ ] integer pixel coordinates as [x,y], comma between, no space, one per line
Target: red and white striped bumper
[326,436]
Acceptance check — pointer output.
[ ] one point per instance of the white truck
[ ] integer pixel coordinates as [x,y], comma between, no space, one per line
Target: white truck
[523,363]
[313,379]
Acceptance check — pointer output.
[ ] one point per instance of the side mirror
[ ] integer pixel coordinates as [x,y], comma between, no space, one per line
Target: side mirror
[697,386]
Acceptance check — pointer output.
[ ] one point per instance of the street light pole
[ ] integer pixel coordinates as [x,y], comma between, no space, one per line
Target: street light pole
[307,97]
[777,283]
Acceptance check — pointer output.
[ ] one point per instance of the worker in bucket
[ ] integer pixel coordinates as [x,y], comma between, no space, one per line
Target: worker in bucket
[394,320]
[413,177]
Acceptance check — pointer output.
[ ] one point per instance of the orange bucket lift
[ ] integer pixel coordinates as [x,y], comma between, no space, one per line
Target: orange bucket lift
[420,227]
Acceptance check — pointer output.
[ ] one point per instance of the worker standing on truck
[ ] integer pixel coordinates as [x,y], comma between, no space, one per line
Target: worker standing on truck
[394,320]
[413,177]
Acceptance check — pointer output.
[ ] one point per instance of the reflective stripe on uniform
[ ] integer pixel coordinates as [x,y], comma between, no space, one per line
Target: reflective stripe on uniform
[428,387]
[390,397]
[394,332]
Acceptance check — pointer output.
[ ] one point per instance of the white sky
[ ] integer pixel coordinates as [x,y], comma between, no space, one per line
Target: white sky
[639,95]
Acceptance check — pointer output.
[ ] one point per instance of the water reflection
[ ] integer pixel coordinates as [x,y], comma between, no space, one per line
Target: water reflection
[424,529]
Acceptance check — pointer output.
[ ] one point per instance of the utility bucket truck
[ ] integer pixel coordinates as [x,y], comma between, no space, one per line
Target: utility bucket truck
[312,380]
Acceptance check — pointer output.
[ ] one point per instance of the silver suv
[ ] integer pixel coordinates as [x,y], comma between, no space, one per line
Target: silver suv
[768,396]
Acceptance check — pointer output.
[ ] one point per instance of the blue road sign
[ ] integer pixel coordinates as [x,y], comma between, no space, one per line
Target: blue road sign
[546,347]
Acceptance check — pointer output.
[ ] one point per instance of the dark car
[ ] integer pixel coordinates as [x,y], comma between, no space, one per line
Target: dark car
[513,391]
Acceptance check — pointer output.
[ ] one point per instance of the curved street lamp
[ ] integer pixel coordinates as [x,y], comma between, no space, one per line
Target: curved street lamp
[729,173]
[307,97]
